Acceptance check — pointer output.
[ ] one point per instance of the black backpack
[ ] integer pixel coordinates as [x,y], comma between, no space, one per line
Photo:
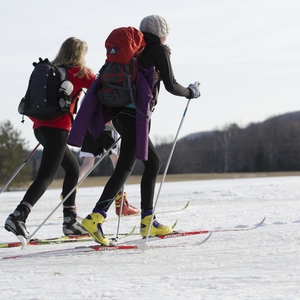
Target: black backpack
[117,87]
[48,95]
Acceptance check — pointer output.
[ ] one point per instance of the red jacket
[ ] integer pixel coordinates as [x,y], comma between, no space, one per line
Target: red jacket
[65,121]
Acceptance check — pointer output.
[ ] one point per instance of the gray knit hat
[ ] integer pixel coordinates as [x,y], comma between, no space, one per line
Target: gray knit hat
[155,24]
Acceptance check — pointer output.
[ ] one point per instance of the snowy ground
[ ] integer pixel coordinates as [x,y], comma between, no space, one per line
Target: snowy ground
[258,264]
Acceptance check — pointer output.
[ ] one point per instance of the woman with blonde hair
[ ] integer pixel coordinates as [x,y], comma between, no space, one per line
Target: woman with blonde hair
[52,135]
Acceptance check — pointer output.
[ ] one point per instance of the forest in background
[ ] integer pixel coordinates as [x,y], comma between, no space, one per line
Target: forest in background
[269,146]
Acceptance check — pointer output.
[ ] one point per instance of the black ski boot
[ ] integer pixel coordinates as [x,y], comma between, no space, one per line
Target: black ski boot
[16,221]
[71,226]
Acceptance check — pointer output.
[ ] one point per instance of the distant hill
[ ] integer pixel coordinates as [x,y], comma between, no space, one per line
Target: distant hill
[287,117]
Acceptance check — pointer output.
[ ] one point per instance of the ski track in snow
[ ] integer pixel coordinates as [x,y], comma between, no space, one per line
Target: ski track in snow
[257,264]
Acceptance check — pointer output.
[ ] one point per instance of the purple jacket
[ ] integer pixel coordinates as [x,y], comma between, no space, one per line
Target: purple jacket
[92,115]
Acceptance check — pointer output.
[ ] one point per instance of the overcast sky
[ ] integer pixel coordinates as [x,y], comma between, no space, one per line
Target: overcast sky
[246,54]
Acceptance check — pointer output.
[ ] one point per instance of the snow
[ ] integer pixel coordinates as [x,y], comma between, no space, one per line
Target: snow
[258,264]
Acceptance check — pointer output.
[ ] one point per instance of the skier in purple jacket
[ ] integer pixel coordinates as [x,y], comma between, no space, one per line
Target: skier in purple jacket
[133,128]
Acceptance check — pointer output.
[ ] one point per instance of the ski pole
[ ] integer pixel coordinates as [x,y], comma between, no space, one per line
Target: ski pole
[25,241]
[165,173]
[120,214]
[19,169]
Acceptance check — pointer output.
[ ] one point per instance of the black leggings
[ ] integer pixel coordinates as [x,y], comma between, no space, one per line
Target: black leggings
[55,153]
[125,125]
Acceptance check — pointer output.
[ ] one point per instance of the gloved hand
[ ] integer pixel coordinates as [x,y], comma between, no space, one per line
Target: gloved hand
[195,87]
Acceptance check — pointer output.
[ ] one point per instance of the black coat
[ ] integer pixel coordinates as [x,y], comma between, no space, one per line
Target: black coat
[158,55]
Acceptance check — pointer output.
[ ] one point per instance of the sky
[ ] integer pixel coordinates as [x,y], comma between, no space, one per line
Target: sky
[245,54]
[260,264]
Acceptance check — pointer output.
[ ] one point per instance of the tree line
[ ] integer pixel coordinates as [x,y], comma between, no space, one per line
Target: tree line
[272,145]
[269,146]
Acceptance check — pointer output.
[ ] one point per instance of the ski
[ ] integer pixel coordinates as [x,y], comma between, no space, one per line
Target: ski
[62,239]
[111,247]
[176,234]
[69,239]
[58,240]
[139,244]
[240,228]
[174,210]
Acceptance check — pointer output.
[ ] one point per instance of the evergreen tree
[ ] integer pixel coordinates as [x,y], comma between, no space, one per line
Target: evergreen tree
[12,154]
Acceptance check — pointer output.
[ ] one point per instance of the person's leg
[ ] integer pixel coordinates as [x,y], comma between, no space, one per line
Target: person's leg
[107,139]
[152,167]
[89,150]
[125,125]
[121,199]
[54,143]
[71,168]
[114,159]
[92,148]
[87,164]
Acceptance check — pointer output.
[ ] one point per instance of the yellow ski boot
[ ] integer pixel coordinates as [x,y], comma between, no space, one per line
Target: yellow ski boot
[93,224]
[156,227]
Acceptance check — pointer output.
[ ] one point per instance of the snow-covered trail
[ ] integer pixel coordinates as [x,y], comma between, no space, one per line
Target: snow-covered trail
[258,264]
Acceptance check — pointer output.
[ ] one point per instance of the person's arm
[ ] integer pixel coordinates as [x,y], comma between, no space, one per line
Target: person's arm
[163,64]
